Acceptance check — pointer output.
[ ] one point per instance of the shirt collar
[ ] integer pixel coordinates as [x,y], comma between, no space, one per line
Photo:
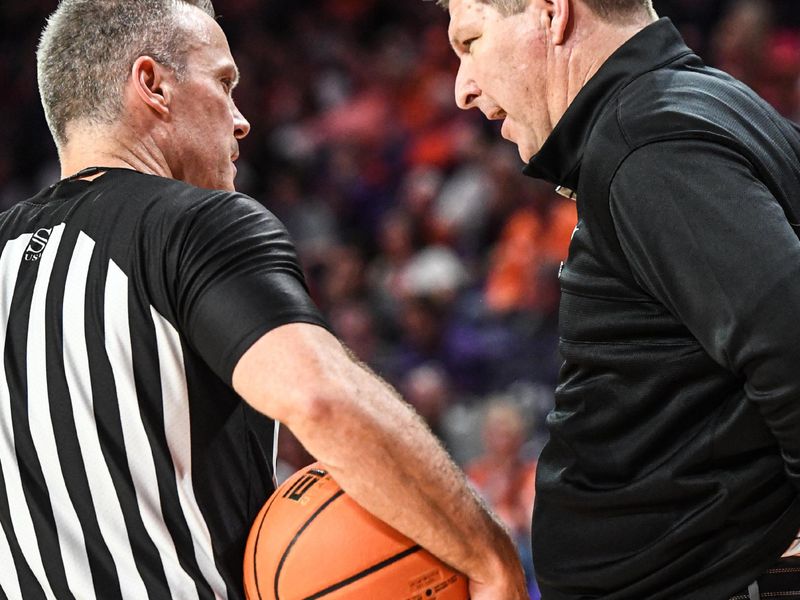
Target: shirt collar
[559,159]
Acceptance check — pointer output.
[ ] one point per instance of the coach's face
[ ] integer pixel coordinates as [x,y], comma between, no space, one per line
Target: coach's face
[206,124]
[503,70]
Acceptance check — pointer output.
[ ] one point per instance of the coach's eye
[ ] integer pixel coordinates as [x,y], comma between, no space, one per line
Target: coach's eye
[468,43]
[227,84]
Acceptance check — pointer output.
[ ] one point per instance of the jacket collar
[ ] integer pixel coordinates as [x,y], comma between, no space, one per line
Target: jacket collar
[559,159]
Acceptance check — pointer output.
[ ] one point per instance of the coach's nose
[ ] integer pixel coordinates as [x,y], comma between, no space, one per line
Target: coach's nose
[467,91]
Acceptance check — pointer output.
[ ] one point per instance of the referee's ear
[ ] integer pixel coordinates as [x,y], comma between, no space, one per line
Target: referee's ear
[149,80]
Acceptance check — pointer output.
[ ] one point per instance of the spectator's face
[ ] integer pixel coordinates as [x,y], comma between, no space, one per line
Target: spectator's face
[503,434]
[205,123]
[503,69]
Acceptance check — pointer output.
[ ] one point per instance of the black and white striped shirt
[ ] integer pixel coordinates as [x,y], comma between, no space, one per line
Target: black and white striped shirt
[128,466]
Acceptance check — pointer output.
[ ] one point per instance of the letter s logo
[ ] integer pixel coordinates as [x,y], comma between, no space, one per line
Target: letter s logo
[37,244]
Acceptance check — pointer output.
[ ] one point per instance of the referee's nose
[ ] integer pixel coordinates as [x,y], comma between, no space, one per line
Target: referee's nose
[241,126]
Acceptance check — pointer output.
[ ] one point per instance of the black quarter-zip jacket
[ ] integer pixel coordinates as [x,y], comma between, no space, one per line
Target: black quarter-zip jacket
[673,465]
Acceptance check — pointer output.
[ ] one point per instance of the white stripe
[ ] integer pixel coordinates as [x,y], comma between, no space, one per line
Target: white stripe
[76,367]
[18,506]
[137,445]
[275,453]
[9,583]
[68,527]
[175,398]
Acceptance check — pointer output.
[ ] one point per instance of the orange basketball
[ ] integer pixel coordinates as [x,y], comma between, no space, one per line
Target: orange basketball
[311,540]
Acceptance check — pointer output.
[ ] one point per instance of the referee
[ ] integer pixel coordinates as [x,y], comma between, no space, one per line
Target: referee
[138,308]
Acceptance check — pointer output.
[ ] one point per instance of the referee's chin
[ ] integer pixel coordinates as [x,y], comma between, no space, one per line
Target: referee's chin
[226,183]
[234,171]
[232,178]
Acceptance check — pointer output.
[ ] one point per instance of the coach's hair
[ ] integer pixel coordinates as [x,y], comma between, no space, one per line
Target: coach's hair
[609,10]
[88,47]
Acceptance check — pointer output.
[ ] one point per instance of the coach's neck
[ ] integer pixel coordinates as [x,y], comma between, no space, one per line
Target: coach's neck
[579,43]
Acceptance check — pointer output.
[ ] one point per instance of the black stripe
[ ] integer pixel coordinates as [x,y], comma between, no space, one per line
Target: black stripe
[365,573]
[30,587]
[104,572]
[36,494]
[217,443]
[109,429]
[308,522]
[144,352]
[3,595]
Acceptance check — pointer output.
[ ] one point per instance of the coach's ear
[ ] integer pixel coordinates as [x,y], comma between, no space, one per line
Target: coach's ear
[559,14]
[151,81]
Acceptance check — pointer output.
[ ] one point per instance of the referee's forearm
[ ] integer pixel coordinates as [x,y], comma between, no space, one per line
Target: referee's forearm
[381,452]
[377,448]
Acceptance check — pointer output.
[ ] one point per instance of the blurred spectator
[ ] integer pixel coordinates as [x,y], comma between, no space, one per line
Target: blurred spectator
[354,325]
[753,45]
[739,44]
[435,272]
[341,276]
[528,248]
[504,478]
[398,240]
[427,388]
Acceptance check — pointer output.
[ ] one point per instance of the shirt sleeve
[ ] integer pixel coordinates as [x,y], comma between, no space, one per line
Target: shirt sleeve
[237,278]
[709,241]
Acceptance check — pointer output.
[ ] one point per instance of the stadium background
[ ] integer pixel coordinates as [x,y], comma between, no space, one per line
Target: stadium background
[433,258]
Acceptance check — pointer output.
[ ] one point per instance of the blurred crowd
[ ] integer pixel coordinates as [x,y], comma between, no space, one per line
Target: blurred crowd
[432,257]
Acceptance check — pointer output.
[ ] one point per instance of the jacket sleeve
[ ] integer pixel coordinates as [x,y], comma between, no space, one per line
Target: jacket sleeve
[709,241]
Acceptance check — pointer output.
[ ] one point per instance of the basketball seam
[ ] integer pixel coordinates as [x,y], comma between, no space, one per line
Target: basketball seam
[255,546]
[297,535]
[365,573]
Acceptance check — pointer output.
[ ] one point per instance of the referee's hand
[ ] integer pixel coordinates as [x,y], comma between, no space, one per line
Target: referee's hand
[516,590]
[505,578]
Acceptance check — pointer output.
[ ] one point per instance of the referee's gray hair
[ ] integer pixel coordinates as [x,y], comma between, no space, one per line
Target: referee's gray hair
[609,10]
[88,47]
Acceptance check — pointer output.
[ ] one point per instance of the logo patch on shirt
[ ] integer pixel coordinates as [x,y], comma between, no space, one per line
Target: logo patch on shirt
[37,245]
